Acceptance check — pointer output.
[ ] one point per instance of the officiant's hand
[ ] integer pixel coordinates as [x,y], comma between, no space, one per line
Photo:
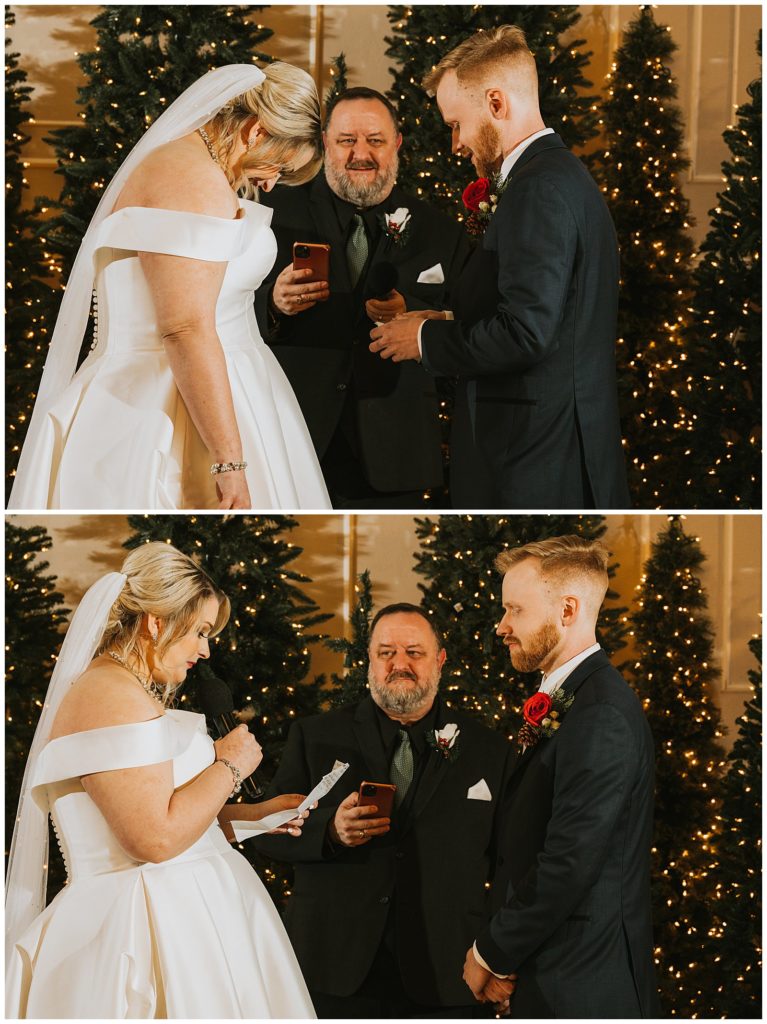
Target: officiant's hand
[398,340]
[355,826]
[384,310]
[292,293]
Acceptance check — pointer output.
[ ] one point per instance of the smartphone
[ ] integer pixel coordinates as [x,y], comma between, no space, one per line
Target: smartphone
[315,257]
[381,794]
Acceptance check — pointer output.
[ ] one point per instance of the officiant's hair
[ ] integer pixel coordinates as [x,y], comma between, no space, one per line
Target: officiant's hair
[361,92]
[563,559]
[162,581]
[502,48]
[404,607]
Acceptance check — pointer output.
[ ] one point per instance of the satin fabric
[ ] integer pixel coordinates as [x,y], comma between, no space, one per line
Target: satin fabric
[192,937]
[120,435]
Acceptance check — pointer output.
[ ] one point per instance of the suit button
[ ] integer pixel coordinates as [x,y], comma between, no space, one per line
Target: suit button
[384,899]
[340,387]
[399,855]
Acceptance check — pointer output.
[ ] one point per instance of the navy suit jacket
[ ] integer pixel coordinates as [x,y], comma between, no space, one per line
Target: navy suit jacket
[534,343]
[572,890]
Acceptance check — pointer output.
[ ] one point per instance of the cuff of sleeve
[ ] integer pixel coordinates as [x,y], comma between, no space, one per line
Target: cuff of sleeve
[491,953]
[449,315]
[420,350]
[482,963]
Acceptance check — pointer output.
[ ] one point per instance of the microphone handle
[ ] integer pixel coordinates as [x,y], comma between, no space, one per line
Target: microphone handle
[251,785]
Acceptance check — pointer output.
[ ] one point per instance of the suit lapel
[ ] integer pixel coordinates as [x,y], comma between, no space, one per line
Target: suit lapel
[571,685]
[326,222]
[543,143]
[368,737]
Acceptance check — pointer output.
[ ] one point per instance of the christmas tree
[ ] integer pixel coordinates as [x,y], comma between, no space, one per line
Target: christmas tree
[640,173]
[723,452]
[423,34]
[144,57]
[463,593]
[34,617]
[738,962]
[673,673]
[352,685]
[26,292]
[338,72]
[263,654]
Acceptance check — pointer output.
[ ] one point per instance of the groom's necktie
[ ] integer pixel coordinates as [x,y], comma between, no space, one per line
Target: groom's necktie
[357,249]
[401,771]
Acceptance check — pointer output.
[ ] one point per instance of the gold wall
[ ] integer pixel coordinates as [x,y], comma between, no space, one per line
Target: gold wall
[715,62]
[336,547]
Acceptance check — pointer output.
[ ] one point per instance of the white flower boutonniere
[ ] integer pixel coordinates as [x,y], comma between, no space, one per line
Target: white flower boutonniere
[444,740]
[397,225]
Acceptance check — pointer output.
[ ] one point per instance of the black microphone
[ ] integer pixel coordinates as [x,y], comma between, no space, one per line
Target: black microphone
[381,280]
[217,705]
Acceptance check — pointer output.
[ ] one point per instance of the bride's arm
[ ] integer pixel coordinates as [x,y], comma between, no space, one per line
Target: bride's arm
[150,821]
[185,292]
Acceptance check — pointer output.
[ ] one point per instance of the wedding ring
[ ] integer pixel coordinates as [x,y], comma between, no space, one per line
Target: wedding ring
[362,833]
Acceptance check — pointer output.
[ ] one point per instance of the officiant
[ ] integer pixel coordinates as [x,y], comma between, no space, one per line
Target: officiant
[375,426]
[383,906]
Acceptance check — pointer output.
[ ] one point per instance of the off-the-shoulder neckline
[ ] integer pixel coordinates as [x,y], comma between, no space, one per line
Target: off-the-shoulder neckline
[169,713]
[188,213]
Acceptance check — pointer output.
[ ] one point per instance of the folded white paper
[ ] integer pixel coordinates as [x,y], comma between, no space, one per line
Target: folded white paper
[247,829]
[479,791]
[433,275]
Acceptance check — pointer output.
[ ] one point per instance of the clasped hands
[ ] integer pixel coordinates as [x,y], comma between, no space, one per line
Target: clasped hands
[485,986]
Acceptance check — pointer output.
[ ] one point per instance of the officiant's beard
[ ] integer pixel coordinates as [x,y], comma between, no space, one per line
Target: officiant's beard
[406,697]
[362,194]
[530,656]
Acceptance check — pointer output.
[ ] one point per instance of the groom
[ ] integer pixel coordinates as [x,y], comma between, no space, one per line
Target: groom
[533,341]
[572,889]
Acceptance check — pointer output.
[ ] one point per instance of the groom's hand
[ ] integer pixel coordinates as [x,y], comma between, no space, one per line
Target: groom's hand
[475,976]
[355,826]
[397,340]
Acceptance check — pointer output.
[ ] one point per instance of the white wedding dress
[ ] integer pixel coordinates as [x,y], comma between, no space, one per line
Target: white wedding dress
[120,437]
[196,936]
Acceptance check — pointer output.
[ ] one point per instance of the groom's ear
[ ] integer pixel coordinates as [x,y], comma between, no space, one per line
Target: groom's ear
[569,610]
[498,104]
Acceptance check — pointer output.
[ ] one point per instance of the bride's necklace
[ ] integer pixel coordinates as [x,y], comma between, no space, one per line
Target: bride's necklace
[206,139]
[146,682]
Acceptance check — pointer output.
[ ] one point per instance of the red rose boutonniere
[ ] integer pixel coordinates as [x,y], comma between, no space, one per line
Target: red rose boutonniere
[481,198]
[543,716]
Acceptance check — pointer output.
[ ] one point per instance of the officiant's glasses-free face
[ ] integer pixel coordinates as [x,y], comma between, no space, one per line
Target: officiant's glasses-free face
[361,144]
[405,663]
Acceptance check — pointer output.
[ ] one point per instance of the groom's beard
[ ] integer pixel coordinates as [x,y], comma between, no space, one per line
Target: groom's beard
[488,149]
[398,695]
[362,194]
[536,650]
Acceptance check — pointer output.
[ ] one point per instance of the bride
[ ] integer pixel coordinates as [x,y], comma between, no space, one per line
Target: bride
[180,404]
[160,917]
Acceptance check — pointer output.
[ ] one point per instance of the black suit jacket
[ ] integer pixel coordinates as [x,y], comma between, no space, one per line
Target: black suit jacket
[430,872]
[572,893]
[324,351]
[534,341]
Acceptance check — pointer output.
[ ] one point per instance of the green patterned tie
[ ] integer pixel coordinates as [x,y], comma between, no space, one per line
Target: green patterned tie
[401,771]
[357,249]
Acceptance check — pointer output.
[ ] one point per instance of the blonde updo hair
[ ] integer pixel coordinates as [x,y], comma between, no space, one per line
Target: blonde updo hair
[288,109]
[161,581]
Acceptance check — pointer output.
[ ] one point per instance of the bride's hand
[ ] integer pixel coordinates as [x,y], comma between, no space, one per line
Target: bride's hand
[232,490]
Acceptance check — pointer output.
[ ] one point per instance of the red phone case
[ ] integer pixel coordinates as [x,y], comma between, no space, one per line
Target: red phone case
[383,799]
[318,260]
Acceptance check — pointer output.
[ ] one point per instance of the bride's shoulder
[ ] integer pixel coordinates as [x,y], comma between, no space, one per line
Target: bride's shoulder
[103,695]
[178,176]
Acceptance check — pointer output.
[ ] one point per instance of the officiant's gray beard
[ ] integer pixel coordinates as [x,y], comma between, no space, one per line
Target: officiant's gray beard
[362,195]
[403,700]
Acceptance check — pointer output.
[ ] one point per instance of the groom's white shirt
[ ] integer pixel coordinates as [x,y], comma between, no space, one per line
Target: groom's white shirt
[505,171]
[549,684]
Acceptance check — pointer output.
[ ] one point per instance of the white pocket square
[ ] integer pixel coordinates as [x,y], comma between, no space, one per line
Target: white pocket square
[479,791]
[433,275]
